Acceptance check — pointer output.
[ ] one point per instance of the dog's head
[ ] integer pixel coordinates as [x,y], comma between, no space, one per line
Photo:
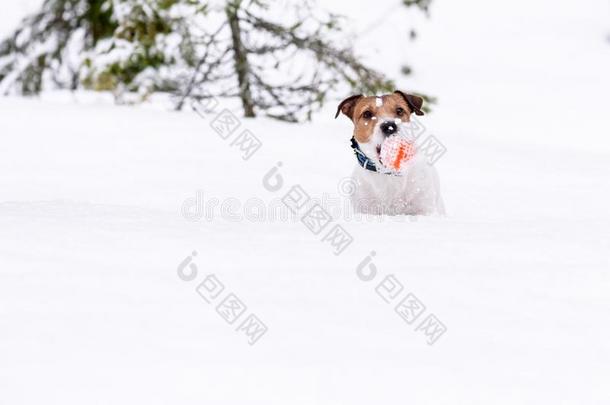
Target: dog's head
[378,117]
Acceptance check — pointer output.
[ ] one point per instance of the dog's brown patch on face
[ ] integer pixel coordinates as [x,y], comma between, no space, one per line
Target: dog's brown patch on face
[369,111]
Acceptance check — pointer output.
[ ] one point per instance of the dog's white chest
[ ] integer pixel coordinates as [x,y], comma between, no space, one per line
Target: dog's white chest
[417,192]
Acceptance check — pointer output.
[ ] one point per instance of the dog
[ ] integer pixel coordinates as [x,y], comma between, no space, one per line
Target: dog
[415,190]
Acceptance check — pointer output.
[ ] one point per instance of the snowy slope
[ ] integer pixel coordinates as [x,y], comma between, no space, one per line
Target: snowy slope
[92,233]
[93,309]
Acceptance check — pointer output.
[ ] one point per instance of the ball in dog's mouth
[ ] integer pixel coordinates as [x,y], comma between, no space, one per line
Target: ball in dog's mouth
[395,151]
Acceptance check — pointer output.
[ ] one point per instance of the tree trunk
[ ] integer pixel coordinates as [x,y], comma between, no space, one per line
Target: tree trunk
[242,66]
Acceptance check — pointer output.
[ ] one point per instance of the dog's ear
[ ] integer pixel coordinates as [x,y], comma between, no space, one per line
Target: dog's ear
[414,102]
[347,106]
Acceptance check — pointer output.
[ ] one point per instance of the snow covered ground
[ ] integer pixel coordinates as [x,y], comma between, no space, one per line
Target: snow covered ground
[93,230]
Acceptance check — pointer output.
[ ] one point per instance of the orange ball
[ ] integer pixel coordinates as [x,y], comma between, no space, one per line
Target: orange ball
[396,151]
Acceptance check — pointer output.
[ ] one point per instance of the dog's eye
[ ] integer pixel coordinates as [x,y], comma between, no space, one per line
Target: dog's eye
[367,115]
[400,111]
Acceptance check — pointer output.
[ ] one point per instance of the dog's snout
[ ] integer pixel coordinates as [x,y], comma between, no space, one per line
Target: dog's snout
[388,128]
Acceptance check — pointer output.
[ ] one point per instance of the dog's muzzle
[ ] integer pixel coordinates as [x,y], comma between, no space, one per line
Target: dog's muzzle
[389,128]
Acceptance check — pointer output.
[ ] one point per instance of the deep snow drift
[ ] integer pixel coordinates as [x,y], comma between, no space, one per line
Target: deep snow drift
[94,221]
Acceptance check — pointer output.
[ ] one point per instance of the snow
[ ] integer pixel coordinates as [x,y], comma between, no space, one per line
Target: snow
[91,237]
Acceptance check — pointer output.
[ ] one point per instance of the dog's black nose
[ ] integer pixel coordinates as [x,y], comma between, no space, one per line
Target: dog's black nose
[388,128]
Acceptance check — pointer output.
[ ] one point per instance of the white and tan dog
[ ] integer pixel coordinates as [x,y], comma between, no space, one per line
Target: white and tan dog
[379,190]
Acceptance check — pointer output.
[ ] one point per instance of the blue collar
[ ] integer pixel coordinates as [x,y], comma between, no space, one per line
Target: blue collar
[361,157]
[366,163]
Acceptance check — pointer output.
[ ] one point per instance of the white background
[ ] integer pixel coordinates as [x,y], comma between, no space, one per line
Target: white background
[92,311]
